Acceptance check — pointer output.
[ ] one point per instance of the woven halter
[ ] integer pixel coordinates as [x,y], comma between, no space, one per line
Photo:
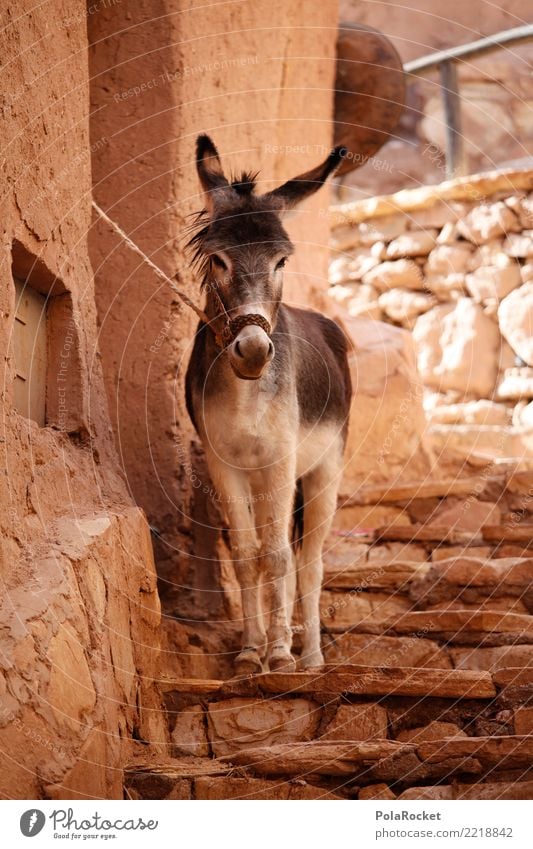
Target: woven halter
[233,326]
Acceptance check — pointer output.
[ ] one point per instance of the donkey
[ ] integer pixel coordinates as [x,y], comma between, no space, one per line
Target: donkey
[268,392]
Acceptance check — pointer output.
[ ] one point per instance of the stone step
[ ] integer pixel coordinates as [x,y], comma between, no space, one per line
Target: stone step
[391,762]
[471,580]
[425,533]
[458,487]
[272,709]
[499,790]
[522,533]
[458,627]
[372,575]
[376,650]
[447,578]
[347,680]
[429,533]
[315,770]
[185,779]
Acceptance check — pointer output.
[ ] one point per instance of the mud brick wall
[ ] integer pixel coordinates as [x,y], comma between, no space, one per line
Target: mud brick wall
[258,78]
[75,551]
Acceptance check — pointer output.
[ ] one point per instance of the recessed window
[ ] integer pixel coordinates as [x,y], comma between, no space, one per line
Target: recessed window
[30,353]
[47,382]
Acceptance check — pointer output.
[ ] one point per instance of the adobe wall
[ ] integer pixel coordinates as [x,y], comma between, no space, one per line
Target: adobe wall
[76,553]
[257,77]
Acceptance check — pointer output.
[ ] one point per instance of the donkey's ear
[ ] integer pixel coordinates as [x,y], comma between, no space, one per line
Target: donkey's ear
[210,171]
[294,191]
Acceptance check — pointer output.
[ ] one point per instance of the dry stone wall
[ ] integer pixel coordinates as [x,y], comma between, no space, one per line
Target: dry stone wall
[453,265]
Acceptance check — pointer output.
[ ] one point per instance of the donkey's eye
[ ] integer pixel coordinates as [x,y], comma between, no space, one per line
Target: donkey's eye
[219,262]
[281,263]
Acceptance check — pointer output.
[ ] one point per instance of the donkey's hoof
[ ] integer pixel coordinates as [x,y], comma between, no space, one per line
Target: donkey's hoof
[314,660]
[281,661]
[248,662]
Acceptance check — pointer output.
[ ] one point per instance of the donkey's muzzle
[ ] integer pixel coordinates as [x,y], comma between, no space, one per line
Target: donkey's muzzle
[250,352]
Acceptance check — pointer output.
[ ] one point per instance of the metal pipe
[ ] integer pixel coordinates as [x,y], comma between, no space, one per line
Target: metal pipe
[474,48]
[455,157]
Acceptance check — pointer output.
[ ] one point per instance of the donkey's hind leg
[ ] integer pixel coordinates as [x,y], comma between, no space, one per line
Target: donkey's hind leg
[320,488]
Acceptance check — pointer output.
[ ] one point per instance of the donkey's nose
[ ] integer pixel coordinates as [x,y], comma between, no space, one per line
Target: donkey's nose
[250,352]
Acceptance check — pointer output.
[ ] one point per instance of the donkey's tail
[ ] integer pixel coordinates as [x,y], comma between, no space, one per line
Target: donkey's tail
[298,516]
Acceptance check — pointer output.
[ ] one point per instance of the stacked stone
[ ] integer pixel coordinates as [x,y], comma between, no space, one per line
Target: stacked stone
[428,687]
[458,273]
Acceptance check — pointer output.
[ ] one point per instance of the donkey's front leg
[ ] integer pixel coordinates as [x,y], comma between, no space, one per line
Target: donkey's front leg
[277,563]
[233,488]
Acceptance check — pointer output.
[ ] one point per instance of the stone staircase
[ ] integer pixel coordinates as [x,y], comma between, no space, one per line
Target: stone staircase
[428,687]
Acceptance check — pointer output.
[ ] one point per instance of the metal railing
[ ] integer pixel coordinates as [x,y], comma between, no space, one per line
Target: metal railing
[445,61]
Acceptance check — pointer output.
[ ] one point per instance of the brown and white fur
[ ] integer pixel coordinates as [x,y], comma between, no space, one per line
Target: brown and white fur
[271,411]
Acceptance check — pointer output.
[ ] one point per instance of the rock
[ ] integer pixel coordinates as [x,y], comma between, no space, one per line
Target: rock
[383,228]
[359,309]
[447,288]
[342,293]
[472,412]
[344,238]
[487,222]
[438,215]
[467,578]
[457,348]
[491,253]
[521,483]
[441,792]
[368,681]
[237,723]
[324,758]
[434,731]
[389,552]
[189,733]
[401,304]
[386,651]
[339,611]
[517,383]
[415,243]
[481,551]
[338,270]
[387,423]
[525,212]
[523,720]
[488,441]
[492,752]
[363,260]
[526,272]
[369,516]
[467,626]
[448,259]
[400,273]
[70,694]
[496,791]
[358,722]
[468,515]
[448,235]
[515,316]
[519,245]
[492,282]
[376,791]
[492,659]
[230,787]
